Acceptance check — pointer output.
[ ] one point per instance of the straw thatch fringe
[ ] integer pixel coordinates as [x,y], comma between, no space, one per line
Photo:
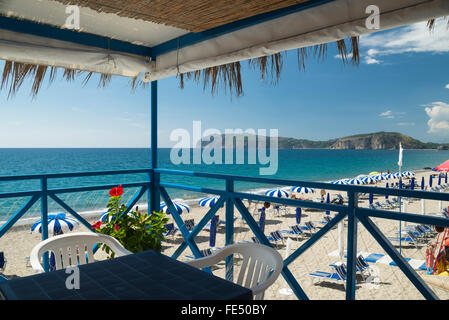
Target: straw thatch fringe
[431,23]
[14,74]
[269,67]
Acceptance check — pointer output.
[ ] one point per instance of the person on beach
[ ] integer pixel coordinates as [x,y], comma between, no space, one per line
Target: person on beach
[442,265]
[323,195]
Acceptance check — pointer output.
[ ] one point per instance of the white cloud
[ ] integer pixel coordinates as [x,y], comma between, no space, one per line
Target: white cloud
[387,114]
[439,117]
[447,86]
[412,38]
[371,60]
[404,124]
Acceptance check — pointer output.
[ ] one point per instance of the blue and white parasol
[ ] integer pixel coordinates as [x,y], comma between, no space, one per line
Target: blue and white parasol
[106,216]
[355,181]
[56,224]
[341,181]
[302,190]
[208,202]
[408,174]
[278,193]
[179,205]
[368,180]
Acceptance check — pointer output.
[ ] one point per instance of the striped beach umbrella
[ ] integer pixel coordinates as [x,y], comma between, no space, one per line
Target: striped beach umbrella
[56,223]
[302,190]
[327,212]
[408,174]
[368,179]
[278,193]
[208,202]
[355,181]
[341,181]
[379,177]
[179,205]
[389,176]
[298,215]
[105,216]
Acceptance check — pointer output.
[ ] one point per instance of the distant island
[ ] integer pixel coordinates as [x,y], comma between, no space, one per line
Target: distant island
[370,141]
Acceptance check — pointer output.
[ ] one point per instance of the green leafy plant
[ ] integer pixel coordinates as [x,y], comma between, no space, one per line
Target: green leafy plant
[136,231]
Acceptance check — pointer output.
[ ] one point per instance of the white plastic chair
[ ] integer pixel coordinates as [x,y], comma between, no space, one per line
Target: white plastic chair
[73,249]
[260,267]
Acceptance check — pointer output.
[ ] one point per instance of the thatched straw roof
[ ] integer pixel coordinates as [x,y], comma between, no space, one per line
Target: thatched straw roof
[195,16]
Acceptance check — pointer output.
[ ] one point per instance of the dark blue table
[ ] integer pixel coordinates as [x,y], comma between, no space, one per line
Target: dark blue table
[145,275]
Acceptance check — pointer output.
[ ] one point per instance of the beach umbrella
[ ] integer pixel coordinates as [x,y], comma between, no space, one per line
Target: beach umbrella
[408,174]
[279,193]
[379,177]
[412,184]
[327,201]
[262,219]
[179,205]
[442,167]
[208,202]
[298,215]
[341,181]
[439,179]
[422,183]
[430,181]
[389,176]
[369,180]
[302,190]
[445,178]
[355,181]
[371,198]
[386,186]
[213,231]
[56,223]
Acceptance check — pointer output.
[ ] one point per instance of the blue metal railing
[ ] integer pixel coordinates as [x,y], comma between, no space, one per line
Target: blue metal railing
[232,199]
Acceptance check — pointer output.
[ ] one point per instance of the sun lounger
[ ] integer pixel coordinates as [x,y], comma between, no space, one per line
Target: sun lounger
[338,276]
[309,226]
[411,239]
[276,237]
[171,230]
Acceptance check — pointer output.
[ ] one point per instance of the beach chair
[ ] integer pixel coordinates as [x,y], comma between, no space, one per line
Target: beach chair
[204,253]
[309,227]
[190,224]
[73,249]
[410,239]
[296,230]
[171,230]
[339,275]
[255,240]
[276,237]
[260,268]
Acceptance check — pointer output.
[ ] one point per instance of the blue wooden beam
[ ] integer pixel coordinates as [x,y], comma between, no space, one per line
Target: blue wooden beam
[193,38]
[83,38]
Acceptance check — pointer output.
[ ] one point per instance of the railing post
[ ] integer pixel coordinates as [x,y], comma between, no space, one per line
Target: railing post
[352,246]
[229,229]
[44,218]
[155,197]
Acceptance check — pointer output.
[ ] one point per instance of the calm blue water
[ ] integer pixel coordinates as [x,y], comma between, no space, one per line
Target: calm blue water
[308,165]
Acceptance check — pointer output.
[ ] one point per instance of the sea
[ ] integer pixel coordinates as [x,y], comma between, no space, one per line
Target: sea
[293,164]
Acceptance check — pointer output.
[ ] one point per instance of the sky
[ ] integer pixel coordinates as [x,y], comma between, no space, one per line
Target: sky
[401,85]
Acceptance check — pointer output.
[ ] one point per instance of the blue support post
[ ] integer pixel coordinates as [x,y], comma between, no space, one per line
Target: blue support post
[352,246]
[44,219]
[155,180]
[229,230]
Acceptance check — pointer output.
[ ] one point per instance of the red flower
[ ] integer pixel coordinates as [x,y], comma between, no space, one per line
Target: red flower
[117,191]
[116,227]
[96,225]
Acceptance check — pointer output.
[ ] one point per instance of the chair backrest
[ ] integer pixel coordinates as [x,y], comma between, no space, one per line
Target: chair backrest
[73,249]
[296,229]
[190,224]
[261,265]
[361,262]
[341,270]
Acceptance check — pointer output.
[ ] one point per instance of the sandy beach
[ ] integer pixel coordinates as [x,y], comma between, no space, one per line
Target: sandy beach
[386,282]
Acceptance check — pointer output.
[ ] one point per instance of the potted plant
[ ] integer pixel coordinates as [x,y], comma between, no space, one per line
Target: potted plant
[136,231]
